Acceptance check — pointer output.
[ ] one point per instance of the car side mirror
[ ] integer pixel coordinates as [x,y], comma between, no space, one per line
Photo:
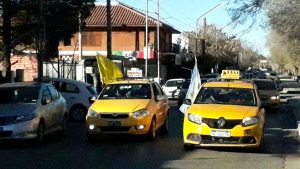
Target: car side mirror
[92,99]
[160,97]
[187,101]
[46,100]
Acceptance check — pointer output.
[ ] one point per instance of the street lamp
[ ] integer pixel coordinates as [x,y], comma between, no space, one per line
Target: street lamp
[204,26]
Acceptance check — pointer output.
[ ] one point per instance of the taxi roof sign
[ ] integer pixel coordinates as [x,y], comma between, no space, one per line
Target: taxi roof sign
[230,74]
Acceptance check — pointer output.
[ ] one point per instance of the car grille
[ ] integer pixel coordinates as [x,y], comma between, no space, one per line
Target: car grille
[114,129]
[114,115]
[7,120]
[206,139]
[229,124]
[5,134]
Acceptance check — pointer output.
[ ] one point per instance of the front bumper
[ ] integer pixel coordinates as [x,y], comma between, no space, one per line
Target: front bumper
[128,125]
[19,131]
[239,136]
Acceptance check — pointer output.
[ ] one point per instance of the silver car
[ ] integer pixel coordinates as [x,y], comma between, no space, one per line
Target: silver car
[29,110]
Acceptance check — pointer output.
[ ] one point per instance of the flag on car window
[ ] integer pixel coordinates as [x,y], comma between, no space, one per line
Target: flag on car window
[194,87]
[108,70]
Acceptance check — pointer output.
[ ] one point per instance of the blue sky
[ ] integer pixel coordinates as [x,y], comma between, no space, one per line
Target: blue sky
[183,14]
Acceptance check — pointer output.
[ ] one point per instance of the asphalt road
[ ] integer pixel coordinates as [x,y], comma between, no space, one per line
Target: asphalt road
[281,150]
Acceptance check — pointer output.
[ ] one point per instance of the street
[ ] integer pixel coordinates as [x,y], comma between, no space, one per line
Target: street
[281,150]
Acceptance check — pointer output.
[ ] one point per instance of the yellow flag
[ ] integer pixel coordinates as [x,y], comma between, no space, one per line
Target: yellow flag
[109,71]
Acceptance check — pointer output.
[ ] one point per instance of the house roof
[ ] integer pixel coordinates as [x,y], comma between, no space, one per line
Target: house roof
[122,15]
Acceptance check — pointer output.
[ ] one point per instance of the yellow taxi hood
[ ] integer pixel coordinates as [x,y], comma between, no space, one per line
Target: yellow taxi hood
[121,105]
[227,111]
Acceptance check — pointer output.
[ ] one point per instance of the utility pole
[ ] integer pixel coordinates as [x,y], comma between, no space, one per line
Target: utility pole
[146,38]
[158,63]
[6,15]
[203,38]
[109,29]
[79,36]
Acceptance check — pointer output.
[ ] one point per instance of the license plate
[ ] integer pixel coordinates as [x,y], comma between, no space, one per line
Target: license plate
[217,133]
[114,123]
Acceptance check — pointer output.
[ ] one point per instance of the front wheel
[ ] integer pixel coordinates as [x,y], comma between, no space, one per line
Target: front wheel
[151,135]
[78,113]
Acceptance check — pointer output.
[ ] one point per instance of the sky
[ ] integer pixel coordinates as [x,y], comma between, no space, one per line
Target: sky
[183,15]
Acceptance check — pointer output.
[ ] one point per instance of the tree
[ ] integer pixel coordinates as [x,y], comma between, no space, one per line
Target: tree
[39,25]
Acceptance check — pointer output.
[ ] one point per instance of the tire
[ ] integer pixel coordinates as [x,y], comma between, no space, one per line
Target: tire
[188,147]
[165,126]
[78,113]
[40,133]
[151,135]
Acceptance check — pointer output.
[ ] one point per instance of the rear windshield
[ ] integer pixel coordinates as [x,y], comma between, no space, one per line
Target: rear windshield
[227,96]
[19,95]
[126,91]
[265,85]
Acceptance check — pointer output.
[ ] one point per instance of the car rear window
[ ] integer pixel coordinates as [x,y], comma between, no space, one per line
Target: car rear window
[174,83]
[265,85]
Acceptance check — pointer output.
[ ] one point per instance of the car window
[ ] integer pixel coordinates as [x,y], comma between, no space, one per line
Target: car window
[174,83]
[231,96]
[56,84]
[19,95]
[69,88]
[54,93]
[186,84]
[126,91]
[92,90]
[265,85]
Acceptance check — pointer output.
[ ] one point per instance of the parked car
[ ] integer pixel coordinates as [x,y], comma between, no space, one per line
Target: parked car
[171,86]
[227,114]
[182,92]
[211,77]
[77,94]
[268,93]
[29,110]
[137,107]
[288,89]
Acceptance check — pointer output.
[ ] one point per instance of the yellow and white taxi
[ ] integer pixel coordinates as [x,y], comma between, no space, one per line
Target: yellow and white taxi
[225,114]
[137,107]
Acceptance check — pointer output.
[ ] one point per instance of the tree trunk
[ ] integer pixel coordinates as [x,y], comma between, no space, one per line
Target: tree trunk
[7,38]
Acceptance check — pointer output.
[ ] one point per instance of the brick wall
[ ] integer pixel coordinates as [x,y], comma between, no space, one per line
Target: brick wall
[28,63]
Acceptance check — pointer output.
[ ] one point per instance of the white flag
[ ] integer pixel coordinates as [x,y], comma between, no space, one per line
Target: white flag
[193,88]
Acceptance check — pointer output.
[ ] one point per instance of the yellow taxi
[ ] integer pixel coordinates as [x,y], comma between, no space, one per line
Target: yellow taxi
[225,114]
[137,107]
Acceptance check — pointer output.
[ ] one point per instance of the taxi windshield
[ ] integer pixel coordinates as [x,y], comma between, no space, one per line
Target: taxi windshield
[126,91]
[230,96]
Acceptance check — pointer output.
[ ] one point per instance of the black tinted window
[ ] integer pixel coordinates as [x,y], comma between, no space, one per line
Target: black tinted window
[69,88]
[265,85]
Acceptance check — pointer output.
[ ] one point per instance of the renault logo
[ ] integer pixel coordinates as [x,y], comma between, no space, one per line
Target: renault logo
[221,122]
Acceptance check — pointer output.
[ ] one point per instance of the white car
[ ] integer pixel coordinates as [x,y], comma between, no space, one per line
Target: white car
[171,86]
[77,94]
[288,89]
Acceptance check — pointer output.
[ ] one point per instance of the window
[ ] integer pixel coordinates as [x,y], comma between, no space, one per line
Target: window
[126,91]
[158,89]
[69,88]
[67,41]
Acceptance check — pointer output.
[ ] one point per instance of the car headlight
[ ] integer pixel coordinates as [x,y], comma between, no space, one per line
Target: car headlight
[92,113]
[274,97]
[248,121]
[26,117]
[140,113]
[195,118]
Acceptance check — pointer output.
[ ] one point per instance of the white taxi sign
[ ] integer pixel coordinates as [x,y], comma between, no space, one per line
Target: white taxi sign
[134,73]
[230,74]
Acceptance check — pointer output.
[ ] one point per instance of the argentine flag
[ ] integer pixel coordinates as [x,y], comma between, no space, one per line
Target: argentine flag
[193,88]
